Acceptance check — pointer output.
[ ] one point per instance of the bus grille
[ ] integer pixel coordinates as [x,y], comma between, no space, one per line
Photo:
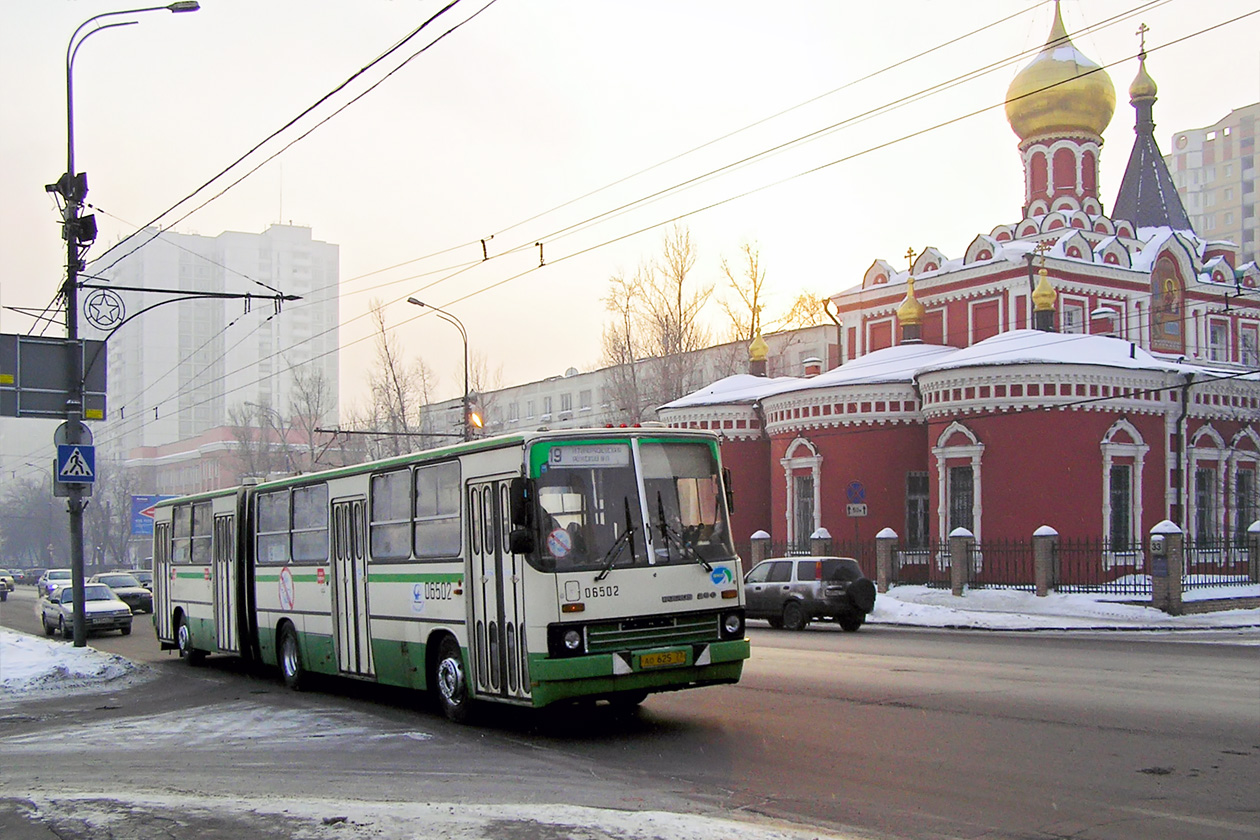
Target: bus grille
[655,631]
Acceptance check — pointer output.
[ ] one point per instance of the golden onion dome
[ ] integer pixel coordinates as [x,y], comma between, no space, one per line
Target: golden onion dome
[758,349]
[1143,86]
[1044,295]
[911,311]
[1060,91]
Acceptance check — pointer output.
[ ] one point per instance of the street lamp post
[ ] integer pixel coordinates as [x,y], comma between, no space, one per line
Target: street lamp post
[73,188]
[451,319]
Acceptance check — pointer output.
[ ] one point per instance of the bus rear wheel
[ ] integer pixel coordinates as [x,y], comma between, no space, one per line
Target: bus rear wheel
[183,639]
[291,659]
[451,681]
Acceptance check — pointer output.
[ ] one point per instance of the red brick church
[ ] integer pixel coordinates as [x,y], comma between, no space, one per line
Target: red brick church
[1093,372]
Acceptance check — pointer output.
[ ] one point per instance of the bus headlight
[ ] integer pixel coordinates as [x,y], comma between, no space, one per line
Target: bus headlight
[733,624]
[566,640]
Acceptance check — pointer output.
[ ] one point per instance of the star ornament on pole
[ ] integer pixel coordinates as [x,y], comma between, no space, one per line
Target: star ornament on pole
[104,309]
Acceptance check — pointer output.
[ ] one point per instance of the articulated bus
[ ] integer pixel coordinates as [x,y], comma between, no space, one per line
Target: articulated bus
[525,569]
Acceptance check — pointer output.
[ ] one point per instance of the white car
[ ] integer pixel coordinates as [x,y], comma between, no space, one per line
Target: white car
[51,579]
[102,609]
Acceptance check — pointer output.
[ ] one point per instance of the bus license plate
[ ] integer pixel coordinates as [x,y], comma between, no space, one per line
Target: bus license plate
[663,660]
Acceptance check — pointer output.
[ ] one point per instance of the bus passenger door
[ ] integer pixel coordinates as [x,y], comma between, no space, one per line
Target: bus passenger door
[349,581]
[162,580]
[226,635]
[497,630]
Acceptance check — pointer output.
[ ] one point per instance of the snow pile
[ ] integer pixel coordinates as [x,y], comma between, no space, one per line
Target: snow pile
[31,664]
[1010,609]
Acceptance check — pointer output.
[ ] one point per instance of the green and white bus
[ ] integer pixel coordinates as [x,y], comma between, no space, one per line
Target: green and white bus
[525,569]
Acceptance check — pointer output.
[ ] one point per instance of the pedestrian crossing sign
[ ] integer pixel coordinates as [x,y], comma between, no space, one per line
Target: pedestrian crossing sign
[76,463]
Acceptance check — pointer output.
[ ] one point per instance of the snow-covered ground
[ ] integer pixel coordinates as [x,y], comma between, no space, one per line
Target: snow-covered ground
[33,667]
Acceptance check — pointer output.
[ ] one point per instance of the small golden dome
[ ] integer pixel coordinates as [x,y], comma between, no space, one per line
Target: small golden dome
[1060,91]
[758,349]
[911,312]
[1143,86]
[1044,295]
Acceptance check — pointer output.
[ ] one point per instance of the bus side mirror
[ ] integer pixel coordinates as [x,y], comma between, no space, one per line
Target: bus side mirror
[522,541]
[730,492]
[522,503]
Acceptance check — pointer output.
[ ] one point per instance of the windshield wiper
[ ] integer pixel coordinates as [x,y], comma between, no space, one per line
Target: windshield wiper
[687,549]
[626,537]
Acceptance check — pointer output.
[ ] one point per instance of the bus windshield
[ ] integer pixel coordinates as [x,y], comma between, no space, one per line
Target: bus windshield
[591,505]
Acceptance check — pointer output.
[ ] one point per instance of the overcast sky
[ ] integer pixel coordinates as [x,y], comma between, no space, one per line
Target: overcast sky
[531,105]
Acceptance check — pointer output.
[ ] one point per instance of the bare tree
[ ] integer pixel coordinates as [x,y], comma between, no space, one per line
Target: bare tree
[621,346]
[310,399]
[33,525]
[669,319]
[256,440]
[808,310]
[398,390]
[745,310]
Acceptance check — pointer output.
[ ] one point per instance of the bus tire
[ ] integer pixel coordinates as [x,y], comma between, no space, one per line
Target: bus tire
[183,639]
[450,678]
[289,654]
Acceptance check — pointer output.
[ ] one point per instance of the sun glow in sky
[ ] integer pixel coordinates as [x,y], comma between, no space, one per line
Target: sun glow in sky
[528,124]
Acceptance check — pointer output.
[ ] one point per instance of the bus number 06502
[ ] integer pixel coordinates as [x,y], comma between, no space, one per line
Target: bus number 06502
[437,591]
[602,591]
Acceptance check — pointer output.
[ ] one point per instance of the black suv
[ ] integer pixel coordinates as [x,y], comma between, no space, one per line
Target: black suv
[792,591]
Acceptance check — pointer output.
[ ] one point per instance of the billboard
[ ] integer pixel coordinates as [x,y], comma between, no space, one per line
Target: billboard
[142,514]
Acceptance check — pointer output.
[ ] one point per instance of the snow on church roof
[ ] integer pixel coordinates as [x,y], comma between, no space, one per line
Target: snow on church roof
[1022,347]
[892,364]
[740,388]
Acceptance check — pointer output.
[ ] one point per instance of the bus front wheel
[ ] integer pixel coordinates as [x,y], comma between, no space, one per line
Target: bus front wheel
[291,659]
[451,681]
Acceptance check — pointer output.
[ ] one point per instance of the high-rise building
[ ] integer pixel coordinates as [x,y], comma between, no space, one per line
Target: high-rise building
[186,366]
[1214,170]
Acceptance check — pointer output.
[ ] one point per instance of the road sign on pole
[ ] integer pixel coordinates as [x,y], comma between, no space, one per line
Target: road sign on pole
[76,463]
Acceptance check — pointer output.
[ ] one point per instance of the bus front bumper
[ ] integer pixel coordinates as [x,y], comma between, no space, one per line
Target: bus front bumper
[650,670]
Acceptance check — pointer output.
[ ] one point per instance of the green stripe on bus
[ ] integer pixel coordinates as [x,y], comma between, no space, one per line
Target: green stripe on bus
[427,577]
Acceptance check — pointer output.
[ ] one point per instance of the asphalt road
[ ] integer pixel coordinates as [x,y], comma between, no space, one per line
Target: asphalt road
[889,732]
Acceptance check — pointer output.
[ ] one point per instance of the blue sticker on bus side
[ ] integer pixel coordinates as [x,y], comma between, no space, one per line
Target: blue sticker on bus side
[721,575]
[417,598]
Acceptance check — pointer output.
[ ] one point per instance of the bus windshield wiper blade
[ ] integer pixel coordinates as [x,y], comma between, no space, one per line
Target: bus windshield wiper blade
[625,537]
[672,536]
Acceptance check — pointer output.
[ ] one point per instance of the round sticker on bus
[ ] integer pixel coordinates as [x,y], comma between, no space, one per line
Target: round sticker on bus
[559,543]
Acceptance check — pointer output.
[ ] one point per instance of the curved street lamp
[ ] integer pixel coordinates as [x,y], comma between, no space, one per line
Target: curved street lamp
[73,188]
[451,319]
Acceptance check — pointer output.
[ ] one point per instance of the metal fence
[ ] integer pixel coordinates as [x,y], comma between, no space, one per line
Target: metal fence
[1080,565]
[1220,562]
[1098,566]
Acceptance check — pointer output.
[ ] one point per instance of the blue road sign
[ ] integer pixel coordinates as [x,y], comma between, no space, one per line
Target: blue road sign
[76,463]
[856,492]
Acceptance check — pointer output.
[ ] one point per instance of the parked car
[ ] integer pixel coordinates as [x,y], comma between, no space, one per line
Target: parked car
[126,587]
[145,576]
[51,579]
[792,591]
[103,610]
[33,576]
[7,584]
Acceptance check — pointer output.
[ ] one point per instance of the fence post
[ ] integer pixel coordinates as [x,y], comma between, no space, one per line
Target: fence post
[960,540]
[1167,564]
[1253,552]
[885,551]
[820,543]
[1045,541]
[760,547]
